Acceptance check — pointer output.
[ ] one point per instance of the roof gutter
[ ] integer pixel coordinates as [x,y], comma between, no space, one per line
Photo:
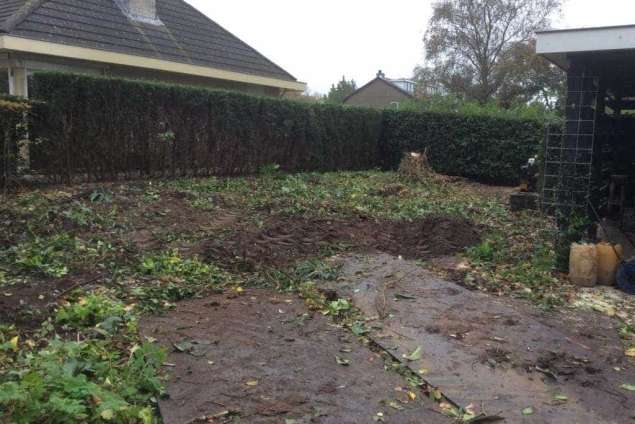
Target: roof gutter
[8,42]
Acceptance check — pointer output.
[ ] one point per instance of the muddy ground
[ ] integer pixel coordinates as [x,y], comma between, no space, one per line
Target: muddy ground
[264,358]
[499,354]
[283,241]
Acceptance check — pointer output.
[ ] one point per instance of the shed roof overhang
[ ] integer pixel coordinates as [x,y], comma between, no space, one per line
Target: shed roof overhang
[559,45]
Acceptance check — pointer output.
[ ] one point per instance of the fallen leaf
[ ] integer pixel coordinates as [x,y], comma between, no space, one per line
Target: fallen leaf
[252,383]
[412,395]
[528,411]
[108,414]
[629,387]
[343,361]
[561,398]
[414,356]
[183,346]
[14,343]
[395,405]
[379,418]
[436,395]
[631,352]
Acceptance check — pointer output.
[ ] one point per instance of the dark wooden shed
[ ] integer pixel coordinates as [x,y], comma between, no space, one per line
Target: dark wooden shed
[590,158]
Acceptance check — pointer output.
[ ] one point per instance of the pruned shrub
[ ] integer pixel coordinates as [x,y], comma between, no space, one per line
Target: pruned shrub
[95,128]
[12,130]
[103,128]
[483,148]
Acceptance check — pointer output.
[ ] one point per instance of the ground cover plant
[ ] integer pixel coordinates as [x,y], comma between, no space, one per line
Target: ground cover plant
[80,265]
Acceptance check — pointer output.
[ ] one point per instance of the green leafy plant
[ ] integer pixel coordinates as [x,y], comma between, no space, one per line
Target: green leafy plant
[101,195]
[79,214]
[172,264]
[47,256]
[85,381]
[176,279]
[573,228]
[316,269]
[491,250]
[95,310]
[270,170]
[339,307]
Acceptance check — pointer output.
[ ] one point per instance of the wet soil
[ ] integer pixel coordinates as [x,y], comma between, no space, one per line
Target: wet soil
[145,227]
[286,240]
[28,305]
[264,358]
[499,354]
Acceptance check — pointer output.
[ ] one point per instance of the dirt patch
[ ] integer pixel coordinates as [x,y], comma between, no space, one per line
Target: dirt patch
[561,364]
[27,305]
[496,357]
[431,237]
[285,240]
[264,358]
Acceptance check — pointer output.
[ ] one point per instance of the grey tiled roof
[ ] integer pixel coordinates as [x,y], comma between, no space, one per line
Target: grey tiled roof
[8,8]
[187,35]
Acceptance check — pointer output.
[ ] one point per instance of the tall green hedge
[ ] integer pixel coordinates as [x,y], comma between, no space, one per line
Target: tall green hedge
[13,112]
[483,148]
[104,128]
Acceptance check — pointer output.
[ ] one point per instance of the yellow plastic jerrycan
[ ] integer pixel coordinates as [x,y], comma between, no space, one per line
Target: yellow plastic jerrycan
[609,258]
[583,265]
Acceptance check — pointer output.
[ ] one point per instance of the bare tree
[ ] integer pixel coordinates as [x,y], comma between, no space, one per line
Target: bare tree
[468,41]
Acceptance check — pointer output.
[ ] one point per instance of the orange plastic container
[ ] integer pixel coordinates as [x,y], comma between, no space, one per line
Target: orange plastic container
[583,265]
[609,258]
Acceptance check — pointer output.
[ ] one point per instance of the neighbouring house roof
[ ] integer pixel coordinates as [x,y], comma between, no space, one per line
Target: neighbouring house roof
[185,36]
[381,80]
[558,45]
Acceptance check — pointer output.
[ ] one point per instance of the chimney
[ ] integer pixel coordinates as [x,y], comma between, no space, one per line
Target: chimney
[141,10]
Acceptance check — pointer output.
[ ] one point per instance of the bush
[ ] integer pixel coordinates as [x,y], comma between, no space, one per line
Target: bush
[12,114]
[103,128]
[459,106]
[488,149]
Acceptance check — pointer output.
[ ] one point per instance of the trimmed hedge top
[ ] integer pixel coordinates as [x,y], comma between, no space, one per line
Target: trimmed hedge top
[105,128]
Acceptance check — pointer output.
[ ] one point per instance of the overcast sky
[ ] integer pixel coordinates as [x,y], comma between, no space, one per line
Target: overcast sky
[318,41]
